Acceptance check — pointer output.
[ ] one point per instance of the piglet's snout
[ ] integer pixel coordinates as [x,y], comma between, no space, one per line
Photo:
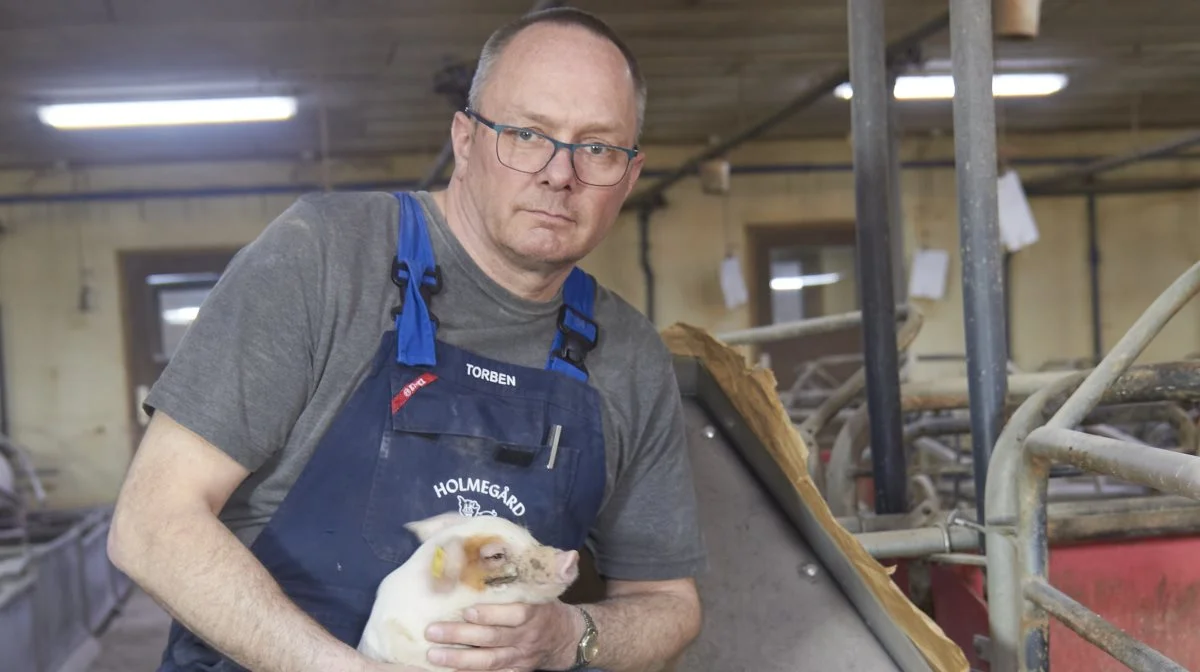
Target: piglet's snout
[545,565]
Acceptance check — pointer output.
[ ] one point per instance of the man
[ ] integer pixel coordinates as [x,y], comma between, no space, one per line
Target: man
[373,359]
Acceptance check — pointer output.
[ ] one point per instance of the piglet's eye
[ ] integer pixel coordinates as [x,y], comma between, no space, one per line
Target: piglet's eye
[496,556]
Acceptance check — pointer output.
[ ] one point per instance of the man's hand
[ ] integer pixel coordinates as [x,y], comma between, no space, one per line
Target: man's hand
[517,637]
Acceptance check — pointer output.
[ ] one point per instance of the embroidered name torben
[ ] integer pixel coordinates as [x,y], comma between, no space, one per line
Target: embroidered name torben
[491,376]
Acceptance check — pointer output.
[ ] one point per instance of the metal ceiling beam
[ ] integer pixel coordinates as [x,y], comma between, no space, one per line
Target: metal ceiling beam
[651,196]
[1082,173]
[446,155]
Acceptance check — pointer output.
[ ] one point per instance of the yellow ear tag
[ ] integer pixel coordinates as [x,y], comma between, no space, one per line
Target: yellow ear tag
[439,562]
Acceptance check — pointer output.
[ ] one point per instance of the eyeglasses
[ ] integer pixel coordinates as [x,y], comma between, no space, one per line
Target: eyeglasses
[528,151]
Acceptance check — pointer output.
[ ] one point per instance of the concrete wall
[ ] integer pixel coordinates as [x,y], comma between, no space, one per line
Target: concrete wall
[66,369]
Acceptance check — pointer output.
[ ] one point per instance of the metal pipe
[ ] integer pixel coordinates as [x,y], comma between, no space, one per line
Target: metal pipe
[849,389]
[975,157]
[1171,381]
[786,330]
[972,559]
[644,255]
[1162,470]
[1033,557]
[1068,522]
[952,393]
[940,451]
[936,426]
[918,543]
[1128,348]
[1006,264]
[841,494]
[1115,642]
[806,98]
[21,458]
[869,122]
[895,193]
[1094,278]
[1185,428]
[1113,162]
[1124,187]
[3,382]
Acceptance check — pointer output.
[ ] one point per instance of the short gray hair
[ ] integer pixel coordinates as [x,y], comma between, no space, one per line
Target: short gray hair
[561,16]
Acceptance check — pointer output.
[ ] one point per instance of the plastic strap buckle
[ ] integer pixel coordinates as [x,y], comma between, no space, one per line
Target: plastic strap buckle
[431,284]
[579,336]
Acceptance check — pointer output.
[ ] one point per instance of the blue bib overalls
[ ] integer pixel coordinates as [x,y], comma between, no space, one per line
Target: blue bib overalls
[432,428]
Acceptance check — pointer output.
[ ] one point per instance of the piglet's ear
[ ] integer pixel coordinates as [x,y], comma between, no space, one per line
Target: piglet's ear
[428,528]
[446,566]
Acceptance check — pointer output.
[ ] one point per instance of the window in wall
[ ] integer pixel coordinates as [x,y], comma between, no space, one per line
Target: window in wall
[809,281]
[802,272]
[178,298]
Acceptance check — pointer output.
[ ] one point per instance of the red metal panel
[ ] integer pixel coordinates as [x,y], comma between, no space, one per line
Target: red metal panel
[1149,588]
[959,609]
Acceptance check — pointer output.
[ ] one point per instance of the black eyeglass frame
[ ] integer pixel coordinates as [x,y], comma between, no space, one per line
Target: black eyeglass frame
[630,152]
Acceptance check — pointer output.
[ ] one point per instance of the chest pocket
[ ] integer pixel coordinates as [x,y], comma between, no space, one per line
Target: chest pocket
[455,447]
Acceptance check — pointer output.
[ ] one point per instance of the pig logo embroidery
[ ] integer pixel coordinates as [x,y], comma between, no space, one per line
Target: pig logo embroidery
[471,508]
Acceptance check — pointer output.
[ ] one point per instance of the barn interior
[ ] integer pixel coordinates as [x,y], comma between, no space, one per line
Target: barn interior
[978,219]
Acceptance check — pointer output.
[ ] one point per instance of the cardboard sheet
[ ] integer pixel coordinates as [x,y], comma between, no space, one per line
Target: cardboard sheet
[752,391]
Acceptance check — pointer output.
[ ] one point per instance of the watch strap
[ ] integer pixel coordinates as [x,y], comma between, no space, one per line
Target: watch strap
[589,628]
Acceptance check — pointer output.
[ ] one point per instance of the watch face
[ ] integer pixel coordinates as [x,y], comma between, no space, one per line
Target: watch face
[590,649]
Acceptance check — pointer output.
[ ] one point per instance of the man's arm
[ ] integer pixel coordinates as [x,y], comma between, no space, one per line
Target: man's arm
[642,625]
[166,536]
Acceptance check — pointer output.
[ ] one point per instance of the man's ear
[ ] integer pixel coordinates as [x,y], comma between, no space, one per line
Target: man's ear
[446,566]
[462,130]
[635,171]
[430,527]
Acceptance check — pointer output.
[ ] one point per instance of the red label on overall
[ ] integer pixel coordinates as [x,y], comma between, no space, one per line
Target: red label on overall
[409,390]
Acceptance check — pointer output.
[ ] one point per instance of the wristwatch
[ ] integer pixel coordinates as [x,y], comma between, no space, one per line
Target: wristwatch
[589,643]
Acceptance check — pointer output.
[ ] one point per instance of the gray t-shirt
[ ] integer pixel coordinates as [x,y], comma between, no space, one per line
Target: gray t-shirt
[290,330]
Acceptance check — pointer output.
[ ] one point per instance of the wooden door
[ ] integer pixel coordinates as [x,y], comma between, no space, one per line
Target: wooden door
[161,292]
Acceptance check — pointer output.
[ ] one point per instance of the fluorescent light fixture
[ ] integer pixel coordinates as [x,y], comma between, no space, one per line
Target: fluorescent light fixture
[794,282]
[181,316]
[167,112]
[941,87]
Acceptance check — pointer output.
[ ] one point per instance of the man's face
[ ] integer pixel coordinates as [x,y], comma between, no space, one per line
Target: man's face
[572,86]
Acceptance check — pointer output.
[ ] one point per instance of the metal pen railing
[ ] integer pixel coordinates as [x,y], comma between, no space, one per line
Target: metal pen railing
[1057,441]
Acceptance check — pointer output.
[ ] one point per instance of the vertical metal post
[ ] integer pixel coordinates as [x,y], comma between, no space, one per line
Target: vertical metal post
[1033,556]
[1093,236]
[1008,301]
[978,215]
[644,255]
[872,163]
[896,202]
[3,384]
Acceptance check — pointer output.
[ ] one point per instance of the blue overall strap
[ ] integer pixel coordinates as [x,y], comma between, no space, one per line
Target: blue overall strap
[577,333]
[414,259]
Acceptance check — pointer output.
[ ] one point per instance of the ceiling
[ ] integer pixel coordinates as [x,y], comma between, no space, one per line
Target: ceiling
[712,66]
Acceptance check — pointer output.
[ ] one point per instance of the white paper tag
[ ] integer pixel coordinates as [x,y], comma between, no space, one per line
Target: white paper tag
[1017,226]
[733,284]
[929,272]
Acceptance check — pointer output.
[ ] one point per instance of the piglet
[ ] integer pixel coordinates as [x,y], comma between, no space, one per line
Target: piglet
[462,561]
